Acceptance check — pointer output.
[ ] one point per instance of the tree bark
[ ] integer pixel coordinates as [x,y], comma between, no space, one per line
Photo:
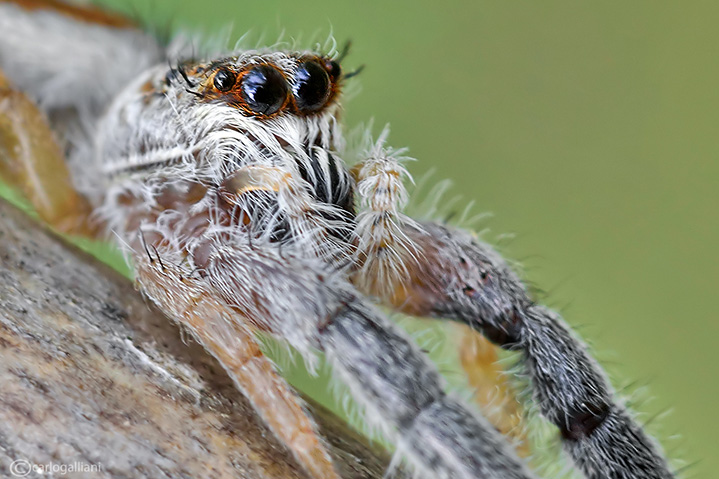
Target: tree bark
[91,375]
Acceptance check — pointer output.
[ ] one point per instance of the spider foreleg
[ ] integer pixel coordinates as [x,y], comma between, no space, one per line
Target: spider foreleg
[229,337]
[32,161]
[386,254]
[462,279]
[300,301]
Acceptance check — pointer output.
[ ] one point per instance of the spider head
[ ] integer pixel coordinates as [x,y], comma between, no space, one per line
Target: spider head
[212,122]
[216,116]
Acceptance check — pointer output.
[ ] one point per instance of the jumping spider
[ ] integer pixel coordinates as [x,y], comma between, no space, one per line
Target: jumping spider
[223,178]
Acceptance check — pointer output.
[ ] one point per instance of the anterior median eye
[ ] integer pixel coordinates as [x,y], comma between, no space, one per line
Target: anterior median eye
[311,86]
[264,89]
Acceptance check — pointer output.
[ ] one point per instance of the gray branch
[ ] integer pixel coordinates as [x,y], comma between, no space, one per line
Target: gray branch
[91,375]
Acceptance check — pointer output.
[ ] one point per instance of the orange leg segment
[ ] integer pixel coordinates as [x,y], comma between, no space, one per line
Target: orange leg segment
[230,339]
[32,161]
[491,388]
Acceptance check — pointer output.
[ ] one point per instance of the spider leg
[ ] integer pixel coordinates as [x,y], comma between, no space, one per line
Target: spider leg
[431,270]
[300,301]
[384,252]
[491,387]
[229,337]
[462,279]
[32,161]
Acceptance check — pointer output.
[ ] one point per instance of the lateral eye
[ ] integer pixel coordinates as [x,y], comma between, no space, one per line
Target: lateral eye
[224,80]
[264,89]
[334,70]
[311,86]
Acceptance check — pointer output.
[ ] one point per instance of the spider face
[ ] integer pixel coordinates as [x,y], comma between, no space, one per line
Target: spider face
[274,105]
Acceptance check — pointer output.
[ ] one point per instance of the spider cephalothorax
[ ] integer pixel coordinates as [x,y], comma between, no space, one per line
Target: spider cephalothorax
[224,180]
[258,133]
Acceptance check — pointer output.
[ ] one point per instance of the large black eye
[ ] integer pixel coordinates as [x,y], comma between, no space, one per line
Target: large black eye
[311,86]
[224,80]
[264,89]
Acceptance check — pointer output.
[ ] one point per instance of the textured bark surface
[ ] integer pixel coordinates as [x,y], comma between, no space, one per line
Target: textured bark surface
[91,374]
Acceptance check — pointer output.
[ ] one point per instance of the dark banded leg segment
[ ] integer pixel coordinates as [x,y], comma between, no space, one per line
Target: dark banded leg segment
[461,279]
[299,301]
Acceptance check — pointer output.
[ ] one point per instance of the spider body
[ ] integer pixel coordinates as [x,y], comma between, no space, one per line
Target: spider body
[224,179]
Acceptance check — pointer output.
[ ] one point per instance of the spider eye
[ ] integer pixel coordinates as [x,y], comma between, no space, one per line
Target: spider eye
[264,89]
[311,86]
[334,70]
[224,80]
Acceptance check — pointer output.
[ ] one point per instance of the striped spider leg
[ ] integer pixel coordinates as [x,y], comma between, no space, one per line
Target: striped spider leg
[432,270]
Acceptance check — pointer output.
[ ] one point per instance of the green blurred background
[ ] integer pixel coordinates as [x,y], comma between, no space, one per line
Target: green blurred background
[589,130]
